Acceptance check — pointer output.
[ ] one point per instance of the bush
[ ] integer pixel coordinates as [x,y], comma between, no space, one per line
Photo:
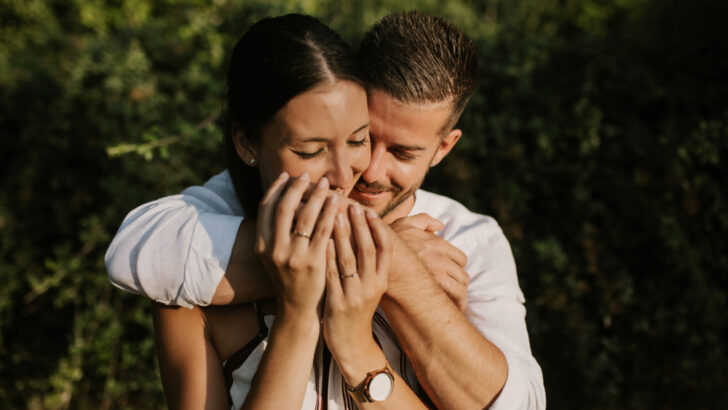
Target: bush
[597,139]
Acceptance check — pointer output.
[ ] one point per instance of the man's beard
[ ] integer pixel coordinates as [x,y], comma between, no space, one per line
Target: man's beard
[398,196]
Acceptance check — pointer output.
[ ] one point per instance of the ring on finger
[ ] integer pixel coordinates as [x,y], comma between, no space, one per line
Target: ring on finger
[353,275]
[302,234]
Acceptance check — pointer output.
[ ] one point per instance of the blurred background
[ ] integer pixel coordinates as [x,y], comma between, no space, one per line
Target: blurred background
[598,139]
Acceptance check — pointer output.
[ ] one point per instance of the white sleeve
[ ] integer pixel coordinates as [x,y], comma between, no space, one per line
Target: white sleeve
[496,308]
[175,250]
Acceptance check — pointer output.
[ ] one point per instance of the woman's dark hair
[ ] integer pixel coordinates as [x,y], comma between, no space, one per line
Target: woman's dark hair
[277,59]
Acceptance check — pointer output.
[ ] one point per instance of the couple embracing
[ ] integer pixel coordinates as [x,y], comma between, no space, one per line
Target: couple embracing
[385,295]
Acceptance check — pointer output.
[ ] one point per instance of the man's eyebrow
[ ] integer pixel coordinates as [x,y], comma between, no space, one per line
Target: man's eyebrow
[322,139]
[409,147]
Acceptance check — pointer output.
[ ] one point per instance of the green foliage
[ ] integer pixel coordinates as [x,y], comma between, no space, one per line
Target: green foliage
[597,139]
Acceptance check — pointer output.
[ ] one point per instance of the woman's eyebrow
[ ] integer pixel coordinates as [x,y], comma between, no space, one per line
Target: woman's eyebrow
[360,128]
[315,139]
[323,139]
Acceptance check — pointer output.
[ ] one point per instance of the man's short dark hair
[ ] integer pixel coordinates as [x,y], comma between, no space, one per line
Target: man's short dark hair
[420,59]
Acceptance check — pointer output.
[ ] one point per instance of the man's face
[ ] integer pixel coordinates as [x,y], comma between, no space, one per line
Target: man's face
[407,140]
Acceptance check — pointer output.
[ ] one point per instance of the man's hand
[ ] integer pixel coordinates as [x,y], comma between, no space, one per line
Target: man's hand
[445,262]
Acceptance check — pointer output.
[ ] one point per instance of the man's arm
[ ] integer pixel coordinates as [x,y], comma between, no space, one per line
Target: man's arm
[190,249]
[245,278]
[466,362]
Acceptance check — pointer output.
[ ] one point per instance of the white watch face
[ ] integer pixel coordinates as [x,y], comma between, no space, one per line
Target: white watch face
[380,387]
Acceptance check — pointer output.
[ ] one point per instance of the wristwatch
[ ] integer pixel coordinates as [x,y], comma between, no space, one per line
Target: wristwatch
[377,386]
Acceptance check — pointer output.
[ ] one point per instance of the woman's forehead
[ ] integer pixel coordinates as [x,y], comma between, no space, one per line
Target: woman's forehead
[325,112]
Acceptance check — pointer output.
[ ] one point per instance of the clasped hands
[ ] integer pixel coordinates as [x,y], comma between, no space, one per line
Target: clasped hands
[329,258]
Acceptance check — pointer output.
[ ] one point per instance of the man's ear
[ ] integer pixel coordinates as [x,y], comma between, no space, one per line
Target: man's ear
[244,149]
[446,145]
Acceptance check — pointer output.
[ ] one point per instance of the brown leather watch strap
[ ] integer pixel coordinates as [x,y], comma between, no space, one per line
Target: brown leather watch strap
[360,393]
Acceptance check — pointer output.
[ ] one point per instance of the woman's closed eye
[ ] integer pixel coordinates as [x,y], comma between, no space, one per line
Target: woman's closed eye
[359,143]
[312,154]
[307,155]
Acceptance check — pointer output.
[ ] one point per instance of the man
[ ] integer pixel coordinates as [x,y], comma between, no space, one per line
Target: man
[420,72]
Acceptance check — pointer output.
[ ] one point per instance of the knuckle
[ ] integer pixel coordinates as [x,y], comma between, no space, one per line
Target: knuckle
[369,252]
[336,306]
[296,262]
[381,285]
[463,294]
[369,294]
[347,265]
[356,302]
[283,209]
[304,219]
[259,247]
[279,258]
[324,225]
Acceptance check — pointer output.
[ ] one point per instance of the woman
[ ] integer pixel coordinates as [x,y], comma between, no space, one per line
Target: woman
[298,114]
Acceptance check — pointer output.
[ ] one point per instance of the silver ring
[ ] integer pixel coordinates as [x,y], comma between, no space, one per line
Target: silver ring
[303,234]
[353,275]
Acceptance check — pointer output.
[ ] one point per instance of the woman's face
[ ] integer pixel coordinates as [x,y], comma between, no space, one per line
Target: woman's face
[323,131]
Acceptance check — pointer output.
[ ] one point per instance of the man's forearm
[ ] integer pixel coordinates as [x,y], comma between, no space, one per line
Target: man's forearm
[245,278]
[454,362]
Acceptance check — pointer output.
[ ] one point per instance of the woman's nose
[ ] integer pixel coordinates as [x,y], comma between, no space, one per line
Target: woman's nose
[340,174]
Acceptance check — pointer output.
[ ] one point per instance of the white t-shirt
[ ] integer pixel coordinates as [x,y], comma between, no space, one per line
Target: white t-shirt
[175,251]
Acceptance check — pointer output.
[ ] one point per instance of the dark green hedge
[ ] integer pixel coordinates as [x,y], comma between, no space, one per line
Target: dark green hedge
[598,139]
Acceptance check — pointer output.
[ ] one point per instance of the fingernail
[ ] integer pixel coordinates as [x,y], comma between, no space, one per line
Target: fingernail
[283,175]
[356,208]
[333,198]
[340,219]
[323,183]
[304,176]
[371,213]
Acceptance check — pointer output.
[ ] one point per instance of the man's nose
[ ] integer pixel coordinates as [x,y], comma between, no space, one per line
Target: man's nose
[376,170]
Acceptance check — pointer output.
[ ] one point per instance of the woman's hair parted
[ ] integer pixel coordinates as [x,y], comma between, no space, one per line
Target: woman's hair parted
[277,59]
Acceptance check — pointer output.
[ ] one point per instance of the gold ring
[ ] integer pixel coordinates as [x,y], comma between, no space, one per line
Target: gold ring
[303,234]
[353,275]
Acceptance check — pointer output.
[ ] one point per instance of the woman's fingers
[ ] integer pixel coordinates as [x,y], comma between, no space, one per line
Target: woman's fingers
[366,252]
[381,236]
[309,213]
[346,260]
[285,210]
[325,225]
[266,210]
[334,292]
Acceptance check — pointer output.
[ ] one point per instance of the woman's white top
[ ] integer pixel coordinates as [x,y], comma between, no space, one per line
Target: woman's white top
[325,388]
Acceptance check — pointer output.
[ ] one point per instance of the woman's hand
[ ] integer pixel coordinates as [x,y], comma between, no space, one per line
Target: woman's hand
[292,242]
[355,282]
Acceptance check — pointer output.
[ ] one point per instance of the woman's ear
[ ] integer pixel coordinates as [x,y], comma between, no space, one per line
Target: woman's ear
[244,149]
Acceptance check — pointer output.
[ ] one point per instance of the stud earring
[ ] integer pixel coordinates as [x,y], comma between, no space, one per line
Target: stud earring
[252,162]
